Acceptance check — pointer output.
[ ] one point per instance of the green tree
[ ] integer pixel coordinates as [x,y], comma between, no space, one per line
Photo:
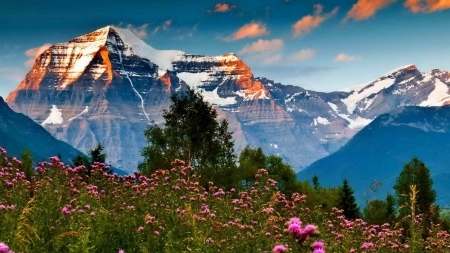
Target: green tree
[250,161]
[27,164]
[283,174]
[380,211]
[193,134]
[415,173]
[315,180]
[347,201]
[96,154]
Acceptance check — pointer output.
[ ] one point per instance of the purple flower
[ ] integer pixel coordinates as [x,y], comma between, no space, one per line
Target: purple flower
[279,248]
[140,228]
[3,248]
[121,251]
[318,245]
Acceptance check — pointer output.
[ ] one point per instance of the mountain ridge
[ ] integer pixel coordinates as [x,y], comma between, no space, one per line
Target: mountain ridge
[123,88]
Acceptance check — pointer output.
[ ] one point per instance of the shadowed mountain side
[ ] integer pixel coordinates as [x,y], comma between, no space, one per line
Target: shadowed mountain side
[379,151]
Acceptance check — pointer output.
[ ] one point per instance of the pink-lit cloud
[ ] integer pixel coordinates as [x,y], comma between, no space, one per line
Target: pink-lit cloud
[33,53]
[139,31]
[302,55]
[307,23]
[346,57]
[364,9]
[249,31]
[262,45]
[427,5]
[223,7]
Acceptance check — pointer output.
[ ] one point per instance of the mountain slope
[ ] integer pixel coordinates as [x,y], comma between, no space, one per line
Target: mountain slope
[379,151]
[18,133]
[108,85]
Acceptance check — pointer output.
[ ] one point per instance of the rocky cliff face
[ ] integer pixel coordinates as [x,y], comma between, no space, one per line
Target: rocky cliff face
[107,86]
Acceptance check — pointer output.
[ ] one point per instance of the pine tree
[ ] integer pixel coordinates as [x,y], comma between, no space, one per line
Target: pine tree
[315,180]
[27,164]
[347,201]
[415,173]
[192,134]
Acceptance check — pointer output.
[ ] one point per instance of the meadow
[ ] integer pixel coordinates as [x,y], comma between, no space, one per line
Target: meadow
[62,209]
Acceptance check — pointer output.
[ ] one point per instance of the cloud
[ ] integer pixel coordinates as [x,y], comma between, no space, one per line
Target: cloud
[302,55]
[166,24]
[364,9]
[307,23]
[8,56]
[346,57]
[427,5]
[219,7]
[139,31]
[262,45]
[33,53]
[249,31]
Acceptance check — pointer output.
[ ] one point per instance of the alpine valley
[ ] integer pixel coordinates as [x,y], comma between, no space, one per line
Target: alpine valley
[108,86]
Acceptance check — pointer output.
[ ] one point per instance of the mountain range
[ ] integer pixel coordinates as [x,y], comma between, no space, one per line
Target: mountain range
[107,86]
[378,152]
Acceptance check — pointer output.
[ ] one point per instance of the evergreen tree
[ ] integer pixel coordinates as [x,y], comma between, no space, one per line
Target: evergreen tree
[376,212]
[390,208]
[347,201]
[96,154]
[415,173]
[27,164]
[193,134]
[315,180]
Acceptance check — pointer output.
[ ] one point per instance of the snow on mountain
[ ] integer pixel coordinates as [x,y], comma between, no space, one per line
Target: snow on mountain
[162,58]
[438,96]
[55,117]
[110,84]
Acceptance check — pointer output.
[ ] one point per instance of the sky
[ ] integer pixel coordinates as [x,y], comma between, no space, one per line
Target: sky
[322,45]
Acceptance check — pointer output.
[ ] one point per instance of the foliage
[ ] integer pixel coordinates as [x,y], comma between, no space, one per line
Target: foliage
[347,201]
[192,134]
[415,173]
[95,155]
[27,164]
[169,211]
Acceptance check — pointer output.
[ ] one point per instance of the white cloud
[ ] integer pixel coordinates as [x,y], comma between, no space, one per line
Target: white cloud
[302,55]
[346,57]
[33,53]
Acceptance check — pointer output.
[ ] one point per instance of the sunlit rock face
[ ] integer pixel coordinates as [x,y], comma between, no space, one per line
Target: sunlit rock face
[108,86]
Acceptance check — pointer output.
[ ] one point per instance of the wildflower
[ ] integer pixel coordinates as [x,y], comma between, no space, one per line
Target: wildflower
[3,247]
[92,214]
[156,233]
[406,246]
[140,228]
[279,248]
[121,251]
[87,206]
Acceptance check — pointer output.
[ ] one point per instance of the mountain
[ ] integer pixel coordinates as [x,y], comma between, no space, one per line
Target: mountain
[18,133]
[108,85]
[378,152]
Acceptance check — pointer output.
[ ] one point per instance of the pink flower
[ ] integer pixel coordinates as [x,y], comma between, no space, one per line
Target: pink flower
[140,228]
[3,248]
[279,248]
[121,251]
[156,233]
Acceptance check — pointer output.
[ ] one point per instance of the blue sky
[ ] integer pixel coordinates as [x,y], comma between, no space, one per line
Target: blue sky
[320,45]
